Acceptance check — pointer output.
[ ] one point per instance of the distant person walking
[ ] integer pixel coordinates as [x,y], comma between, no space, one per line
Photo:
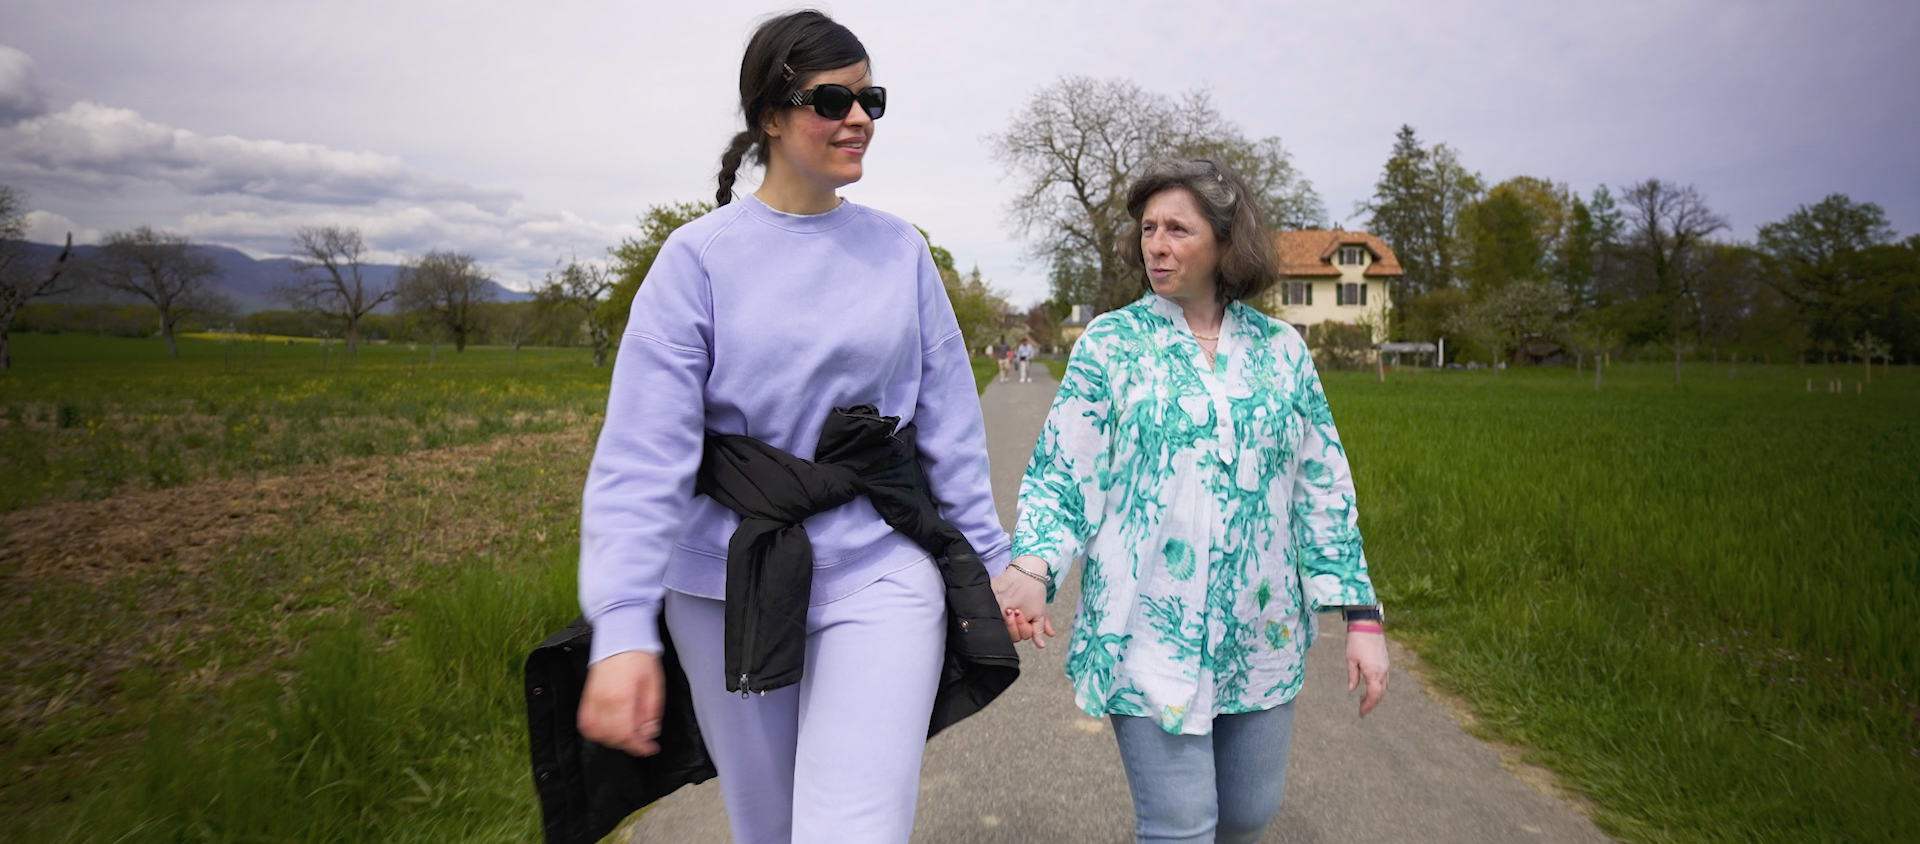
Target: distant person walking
[1190,460]
[750,337]
[1024,356]
[1006,361]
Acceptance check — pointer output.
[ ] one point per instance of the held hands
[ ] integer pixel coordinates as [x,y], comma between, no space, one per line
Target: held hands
[1367,657]
[620,706]
[1023,602]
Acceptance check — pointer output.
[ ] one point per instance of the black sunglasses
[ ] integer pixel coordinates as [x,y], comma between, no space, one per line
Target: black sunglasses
[834,101]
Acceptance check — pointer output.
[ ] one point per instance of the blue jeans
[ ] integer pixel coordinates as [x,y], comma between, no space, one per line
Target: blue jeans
[1221,788]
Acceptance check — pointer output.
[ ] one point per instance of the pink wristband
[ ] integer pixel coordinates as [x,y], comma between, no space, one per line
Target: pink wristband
[1363,627]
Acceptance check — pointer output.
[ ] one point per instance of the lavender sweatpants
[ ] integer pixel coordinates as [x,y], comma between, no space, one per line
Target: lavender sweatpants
[835,757]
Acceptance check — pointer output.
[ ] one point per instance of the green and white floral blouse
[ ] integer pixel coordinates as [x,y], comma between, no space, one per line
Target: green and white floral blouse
[1214,511]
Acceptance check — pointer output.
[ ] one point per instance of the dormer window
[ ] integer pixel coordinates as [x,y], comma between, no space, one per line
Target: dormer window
[1352,255]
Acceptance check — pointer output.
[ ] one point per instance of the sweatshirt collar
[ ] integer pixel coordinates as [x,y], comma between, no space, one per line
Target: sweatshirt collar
[839,216]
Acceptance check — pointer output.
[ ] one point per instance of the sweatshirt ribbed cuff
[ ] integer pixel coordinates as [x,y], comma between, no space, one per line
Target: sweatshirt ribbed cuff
[997,563]
[629,628]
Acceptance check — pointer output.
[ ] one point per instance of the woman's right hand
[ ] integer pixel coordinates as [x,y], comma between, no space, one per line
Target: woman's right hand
[1023,602]
[620,706]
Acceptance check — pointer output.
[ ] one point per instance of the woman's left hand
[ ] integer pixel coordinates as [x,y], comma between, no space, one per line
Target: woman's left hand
[1367,658]
[1023,604]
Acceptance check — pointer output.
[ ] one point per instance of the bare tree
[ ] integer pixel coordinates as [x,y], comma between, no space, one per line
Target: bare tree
[20,282]
[327,278]
[583,289]
[445,287]
[163,269]
[1667,227]
[1077,146]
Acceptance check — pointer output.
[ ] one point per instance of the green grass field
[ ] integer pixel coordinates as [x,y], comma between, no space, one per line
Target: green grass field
[1694,602]
[256,594]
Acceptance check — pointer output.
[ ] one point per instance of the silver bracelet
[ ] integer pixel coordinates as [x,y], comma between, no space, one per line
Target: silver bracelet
[1018,568]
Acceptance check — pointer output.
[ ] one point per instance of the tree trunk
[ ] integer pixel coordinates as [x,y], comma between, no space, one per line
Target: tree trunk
[1676,364]
[6,336]
[173,346]
[353,334]
[1596,376]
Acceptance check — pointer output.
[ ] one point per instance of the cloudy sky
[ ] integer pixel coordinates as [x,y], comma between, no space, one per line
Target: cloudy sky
[521,132]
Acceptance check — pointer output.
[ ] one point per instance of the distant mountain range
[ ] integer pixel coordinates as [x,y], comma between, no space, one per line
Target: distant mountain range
[248,282]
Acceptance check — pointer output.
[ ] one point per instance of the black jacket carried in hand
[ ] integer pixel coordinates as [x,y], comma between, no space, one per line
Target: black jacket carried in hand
[585,789]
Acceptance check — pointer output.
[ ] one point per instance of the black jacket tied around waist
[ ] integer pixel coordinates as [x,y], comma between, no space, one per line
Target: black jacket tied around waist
[585,789]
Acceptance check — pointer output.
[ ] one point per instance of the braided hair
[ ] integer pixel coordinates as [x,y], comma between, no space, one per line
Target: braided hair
[782,53]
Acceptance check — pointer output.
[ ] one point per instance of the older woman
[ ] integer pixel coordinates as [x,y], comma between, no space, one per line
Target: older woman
[1191,460]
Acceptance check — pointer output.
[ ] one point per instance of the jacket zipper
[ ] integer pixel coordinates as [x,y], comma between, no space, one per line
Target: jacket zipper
[747,635]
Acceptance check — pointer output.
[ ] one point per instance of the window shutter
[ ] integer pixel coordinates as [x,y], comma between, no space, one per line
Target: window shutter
[1363,293]
[1309,287]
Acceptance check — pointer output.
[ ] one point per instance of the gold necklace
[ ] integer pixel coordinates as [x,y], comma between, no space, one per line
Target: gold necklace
[1198,336]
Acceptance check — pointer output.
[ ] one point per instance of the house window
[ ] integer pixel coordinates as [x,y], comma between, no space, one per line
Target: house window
[1296,293]
[1350,294]
[1353,255]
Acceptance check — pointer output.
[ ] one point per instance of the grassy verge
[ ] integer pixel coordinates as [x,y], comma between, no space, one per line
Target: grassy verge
[413,736]
[324,652]
[1692,602]
[983,371]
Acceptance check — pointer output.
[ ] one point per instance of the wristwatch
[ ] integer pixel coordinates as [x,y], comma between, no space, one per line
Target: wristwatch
[1363,612]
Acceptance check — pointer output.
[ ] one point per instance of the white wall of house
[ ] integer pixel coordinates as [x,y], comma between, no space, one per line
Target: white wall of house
[1326,300]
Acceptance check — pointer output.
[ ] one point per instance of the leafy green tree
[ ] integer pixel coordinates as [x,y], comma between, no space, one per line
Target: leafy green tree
[1429,316]
[1513,232]
[1076,148]
[634,257]
[1416,209]
[979,308]
[1817,256]
[1073,281]
[1575,256]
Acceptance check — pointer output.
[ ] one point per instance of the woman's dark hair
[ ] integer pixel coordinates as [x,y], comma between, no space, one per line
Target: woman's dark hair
[1247,261]
[780,56]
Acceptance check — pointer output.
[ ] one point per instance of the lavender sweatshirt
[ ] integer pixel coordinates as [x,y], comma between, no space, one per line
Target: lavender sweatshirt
[757,322]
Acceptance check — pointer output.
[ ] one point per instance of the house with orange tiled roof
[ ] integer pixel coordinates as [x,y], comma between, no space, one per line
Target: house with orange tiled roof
[1331,276]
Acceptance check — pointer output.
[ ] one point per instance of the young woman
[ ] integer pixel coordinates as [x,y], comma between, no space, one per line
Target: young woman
[761,319]
[1191,460]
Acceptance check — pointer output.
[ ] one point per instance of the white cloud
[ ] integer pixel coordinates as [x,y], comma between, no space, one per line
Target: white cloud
[48,227]
[20,96]
[253,194]
[103,146]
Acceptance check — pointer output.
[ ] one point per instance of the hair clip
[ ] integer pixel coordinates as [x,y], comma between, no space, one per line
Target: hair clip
[786,71]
